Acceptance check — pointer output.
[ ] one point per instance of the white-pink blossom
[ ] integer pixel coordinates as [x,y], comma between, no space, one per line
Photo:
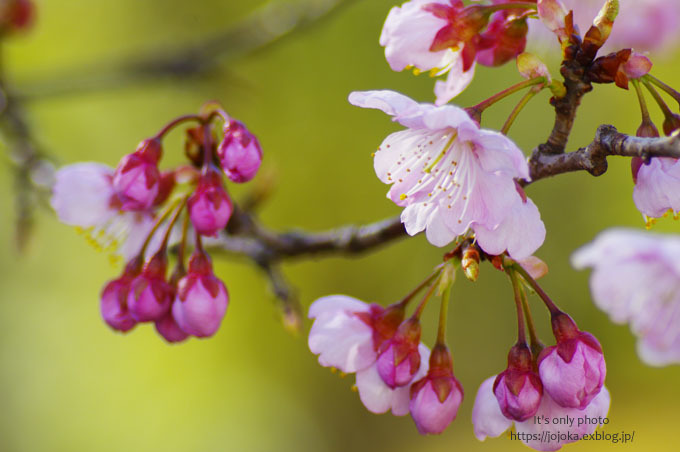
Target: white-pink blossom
[489,421]
[83,196]
[451,176]
[657,187]
[636,280]
[408,34]
[344,337]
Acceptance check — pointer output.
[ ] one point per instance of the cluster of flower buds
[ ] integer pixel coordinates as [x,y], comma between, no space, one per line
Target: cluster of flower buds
[16,15]
[564,379]
[393,371]
[127,210]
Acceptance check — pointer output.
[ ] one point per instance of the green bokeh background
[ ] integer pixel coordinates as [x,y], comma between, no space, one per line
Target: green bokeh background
[68,383]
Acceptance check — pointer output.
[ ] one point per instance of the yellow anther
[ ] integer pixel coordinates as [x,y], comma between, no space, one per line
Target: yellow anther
[403,196]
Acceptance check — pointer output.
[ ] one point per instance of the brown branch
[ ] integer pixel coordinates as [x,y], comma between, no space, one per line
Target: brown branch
[593,158]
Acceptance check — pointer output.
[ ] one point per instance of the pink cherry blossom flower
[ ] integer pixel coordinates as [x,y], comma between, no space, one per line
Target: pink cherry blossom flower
[340,335]
[636,280]
[435,399]
[573,371]
[644,25]
[346,335]
[408,37]
[239,152]
[451,176]
[83,196]
[209,206]
[137,178]
[489,421]
[201,300]
[657,187]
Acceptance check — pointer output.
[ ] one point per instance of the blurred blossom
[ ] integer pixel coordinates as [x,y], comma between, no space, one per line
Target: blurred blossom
[644,25]
[636,280]
[489,421]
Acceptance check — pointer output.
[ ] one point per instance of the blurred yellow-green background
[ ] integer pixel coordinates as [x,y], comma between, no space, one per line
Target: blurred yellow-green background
[68,383]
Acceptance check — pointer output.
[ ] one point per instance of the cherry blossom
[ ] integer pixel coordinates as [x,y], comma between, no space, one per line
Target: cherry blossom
[636,280]
[451,176]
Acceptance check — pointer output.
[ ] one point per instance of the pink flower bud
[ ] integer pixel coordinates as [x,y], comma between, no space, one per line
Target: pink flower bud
[201,300]
[167,327]
[136,179]
[210,206]
[518,388]
[553,14]
[572,371]
[113,305]
[150,295]
[240,153]
[435,399]
[400,360]
[637,66]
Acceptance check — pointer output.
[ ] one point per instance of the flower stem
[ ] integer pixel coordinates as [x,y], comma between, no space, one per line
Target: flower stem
[657,97]
[670,91]
[483,105]
[172,222]
[176,122]
[164,216]
[405,301]
[641,99]
[533,337]
[521,334]
[426,298]
[552,307]
[443,316]
[517,110]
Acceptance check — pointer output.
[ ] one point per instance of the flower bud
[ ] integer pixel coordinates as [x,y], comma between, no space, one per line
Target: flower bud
[400,360]
[113,304]
[167,327]
[470,263]
[671,123]
[530,66]
[209,206]
[518,388]
[435,399]
[201,300]
[150,295]
[553,14]
[573,371]
[137,179]
[240,153]
[637,66]
[604,21]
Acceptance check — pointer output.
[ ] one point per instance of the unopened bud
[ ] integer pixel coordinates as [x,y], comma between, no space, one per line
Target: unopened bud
[671,123]
[605,19]
[530,66]
[470,263]
[553,13]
